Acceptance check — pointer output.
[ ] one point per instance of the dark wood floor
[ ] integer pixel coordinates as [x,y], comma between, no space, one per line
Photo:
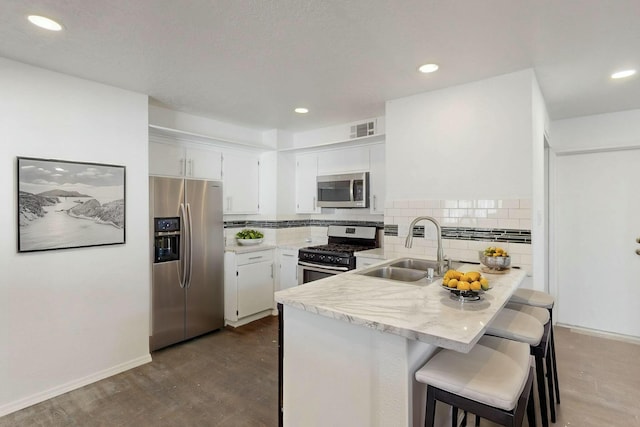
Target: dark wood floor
[230,378]
[226,378]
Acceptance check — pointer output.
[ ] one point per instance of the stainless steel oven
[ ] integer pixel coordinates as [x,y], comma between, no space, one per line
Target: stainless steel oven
[337,256]
[343,191]
[308,272]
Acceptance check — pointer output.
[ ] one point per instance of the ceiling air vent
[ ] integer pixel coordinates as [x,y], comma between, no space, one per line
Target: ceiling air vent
[363,129]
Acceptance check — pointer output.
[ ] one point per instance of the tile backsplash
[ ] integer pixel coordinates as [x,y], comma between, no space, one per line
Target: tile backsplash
[467,227]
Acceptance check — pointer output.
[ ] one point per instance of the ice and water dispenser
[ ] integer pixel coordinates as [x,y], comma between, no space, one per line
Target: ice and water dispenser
[166,239]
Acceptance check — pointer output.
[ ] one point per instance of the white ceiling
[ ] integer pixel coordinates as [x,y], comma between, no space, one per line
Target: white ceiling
[252,61]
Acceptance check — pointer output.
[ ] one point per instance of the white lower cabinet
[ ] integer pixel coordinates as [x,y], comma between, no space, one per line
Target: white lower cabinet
[288,276]
[248,285]
[363,261]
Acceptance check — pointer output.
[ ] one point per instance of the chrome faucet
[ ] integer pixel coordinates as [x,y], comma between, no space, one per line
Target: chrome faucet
[440,255]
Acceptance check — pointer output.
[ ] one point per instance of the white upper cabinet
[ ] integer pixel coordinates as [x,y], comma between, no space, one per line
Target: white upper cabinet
[180,161]
[377,178]
[306,173]
[204,163]
[241,177]
[344,160]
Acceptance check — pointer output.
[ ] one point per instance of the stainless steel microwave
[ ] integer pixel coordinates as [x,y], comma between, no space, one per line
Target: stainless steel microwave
[343,191]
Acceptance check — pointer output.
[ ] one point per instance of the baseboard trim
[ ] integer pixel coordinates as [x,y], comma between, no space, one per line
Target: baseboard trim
[601,334]
[249,319]
[72,385]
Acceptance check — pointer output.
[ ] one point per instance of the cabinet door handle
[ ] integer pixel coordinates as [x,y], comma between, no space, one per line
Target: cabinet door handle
[272,270]
[287,255]
[375,204]
[314,204]
[183,168]
[190,167]
[255,257]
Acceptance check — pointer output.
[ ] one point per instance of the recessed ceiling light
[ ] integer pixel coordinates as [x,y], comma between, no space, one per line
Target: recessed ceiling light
[44,22]
[301,110]
[428,68]
[623,74]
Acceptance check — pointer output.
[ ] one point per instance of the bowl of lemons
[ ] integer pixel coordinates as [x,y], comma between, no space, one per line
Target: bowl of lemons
[495,258]
[465,286]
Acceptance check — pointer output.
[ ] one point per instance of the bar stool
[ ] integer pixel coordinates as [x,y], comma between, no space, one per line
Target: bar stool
[526,328]
[493,383]
[543,300]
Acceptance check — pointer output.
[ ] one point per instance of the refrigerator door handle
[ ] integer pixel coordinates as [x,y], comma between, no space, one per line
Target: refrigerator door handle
[188,283]
[182,276]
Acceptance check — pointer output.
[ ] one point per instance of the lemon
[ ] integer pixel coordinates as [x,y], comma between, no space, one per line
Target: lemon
[474,275]
[464,286]
[445,281]
[453,283]
[484,283]
[475,286]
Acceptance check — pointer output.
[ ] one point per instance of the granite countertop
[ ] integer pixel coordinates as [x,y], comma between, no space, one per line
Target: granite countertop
[422,312]
[377,253]
[248,249]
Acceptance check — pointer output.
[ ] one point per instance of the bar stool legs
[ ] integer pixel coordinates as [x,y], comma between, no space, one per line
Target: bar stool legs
[493,381]
[552,347]
[482,411]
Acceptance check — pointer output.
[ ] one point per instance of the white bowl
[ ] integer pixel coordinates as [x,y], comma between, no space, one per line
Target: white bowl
[249,242]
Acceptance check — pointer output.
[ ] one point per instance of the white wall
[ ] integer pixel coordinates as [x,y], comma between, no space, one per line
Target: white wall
[613,130]
[595,134]
[70,317]
[465,142]
[539,208]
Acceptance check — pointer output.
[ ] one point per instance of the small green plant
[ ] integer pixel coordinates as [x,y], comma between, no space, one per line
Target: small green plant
[249,234]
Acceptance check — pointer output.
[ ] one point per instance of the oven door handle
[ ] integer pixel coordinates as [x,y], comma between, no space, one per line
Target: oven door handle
[324,267]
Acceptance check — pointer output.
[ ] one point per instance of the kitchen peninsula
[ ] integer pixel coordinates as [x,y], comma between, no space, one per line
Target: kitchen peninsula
[352,343]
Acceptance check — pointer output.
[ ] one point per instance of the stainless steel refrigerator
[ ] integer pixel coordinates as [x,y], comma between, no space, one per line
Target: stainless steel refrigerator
[188,257]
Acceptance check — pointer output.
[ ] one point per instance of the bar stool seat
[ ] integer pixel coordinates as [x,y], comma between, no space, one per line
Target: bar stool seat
[532,297]
[518,325]
[494,383]
[541,299]
[540,314]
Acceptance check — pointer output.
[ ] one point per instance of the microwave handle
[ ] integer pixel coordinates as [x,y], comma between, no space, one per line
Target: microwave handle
[351,189]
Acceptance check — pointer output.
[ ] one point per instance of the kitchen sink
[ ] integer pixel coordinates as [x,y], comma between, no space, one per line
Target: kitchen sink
[416,264]
[396,273]
[404,270]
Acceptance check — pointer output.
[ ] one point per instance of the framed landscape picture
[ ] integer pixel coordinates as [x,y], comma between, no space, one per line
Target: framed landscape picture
[64,204]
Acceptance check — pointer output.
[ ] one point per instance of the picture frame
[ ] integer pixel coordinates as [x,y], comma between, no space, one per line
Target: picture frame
[64,204]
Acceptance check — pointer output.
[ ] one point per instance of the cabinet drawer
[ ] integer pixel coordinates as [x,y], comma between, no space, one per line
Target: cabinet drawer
[253,257]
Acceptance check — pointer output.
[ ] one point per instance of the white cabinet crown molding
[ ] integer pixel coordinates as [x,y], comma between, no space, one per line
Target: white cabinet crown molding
[361,141]
[169,134]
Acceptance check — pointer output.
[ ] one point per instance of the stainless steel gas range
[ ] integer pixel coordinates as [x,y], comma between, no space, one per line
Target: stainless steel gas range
[337,256]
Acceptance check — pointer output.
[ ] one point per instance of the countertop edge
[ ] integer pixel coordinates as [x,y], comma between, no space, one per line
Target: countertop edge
[409,333]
